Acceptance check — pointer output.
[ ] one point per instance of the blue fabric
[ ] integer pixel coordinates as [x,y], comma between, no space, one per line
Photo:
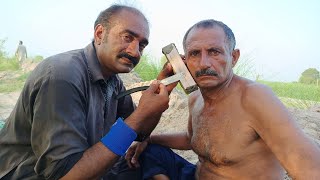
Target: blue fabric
[157,159]
[119,137]
[1,124]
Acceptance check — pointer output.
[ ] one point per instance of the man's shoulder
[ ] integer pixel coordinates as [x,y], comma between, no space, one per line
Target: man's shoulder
[67,65]
[255,94]
[252,88]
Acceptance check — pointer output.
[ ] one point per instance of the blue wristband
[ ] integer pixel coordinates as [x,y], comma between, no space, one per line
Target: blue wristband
[119,138]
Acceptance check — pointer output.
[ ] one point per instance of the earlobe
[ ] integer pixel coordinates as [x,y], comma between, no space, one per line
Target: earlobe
[235,56]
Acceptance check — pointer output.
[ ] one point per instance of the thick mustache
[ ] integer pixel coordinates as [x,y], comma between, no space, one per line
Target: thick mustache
[134,60]
[206,72]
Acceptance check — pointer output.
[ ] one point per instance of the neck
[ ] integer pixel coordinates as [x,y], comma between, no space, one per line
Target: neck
[216,94]
[105,73]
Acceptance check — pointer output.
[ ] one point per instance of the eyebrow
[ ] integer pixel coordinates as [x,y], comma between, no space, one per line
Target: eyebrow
[143,41]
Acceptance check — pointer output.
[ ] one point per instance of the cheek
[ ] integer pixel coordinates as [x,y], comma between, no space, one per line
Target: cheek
[192,67]
[224,67]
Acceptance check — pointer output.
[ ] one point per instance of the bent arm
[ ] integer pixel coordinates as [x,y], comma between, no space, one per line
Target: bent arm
[96,160]
[180,141]
[175,140]
[272,121]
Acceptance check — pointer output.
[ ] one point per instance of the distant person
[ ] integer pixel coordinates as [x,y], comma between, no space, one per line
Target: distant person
[238,128]
[67,123]
[21,53]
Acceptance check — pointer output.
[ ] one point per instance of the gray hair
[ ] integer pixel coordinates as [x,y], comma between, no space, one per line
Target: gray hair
[210,23]
[106,16]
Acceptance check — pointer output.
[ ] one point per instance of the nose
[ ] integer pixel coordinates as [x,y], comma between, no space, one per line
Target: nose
[133,49]
[204,61]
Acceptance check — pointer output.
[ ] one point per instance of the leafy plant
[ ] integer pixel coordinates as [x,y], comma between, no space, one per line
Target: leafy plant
[309,76]
[147,69]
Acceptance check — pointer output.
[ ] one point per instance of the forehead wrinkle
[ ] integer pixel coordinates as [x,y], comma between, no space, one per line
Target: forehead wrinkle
[202,40]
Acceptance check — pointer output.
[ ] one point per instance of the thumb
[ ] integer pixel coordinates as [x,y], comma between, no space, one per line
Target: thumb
[154,86]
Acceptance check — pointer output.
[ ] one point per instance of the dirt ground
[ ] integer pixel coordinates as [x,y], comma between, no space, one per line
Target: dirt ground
[175,118]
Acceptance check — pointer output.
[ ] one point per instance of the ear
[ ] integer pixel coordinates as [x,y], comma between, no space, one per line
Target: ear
[235,56]
[98,34]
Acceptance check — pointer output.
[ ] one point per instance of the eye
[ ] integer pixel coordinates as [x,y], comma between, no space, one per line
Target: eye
[213,52]
[127,38]
[142,46]
[194,53]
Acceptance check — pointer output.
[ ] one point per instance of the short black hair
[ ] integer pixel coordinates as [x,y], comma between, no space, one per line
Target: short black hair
[105,16]
[210,23]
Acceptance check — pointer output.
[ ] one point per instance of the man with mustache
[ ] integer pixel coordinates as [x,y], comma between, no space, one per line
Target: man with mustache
[238,128]
[67,123]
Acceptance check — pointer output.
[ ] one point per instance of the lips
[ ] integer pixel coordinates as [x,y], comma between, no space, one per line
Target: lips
[127,61]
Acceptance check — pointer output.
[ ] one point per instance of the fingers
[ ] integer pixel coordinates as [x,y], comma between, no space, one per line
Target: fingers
[183,57]
[135,159]
[128,157]
[154,86]
[166,71]
[163,90]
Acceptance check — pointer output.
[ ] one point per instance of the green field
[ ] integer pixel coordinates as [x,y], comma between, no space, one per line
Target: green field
[292,94]
[295,95]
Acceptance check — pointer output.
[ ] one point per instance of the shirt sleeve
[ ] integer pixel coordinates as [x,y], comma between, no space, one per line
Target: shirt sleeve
[58,125]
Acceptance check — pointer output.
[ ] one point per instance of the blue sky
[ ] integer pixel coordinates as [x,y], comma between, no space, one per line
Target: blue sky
[280,37]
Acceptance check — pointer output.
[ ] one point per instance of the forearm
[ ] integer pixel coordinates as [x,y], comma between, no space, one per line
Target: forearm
[100,157]
[306,164]
[176,141]
[93,164]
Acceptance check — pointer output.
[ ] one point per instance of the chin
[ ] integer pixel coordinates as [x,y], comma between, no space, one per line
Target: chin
[125,68]
[205,85]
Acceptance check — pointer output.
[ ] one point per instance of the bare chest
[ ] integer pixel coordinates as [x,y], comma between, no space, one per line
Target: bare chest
[221,136]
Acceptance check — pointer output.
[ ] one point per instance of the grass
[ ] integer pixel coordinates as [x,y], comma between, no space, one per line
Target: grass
[296,95]
[147,69]
[9,64]
[295,90]
[291,94]
[13,84]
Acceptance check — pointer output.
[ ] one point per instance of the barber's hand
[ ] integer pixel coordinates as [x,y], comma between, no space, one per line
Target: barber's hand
[153,102]
[167,71]
[133,153]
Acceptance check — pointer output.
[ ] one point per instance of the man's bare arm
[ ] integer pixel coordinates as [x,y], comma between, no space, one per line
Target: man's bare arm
[273,122]
[180,140]
[95,161]
[98,159]
[174,140]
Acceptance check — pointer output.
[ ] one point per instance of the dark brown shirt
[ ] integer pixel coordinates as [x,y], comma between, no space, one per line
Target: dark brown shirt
[60,113]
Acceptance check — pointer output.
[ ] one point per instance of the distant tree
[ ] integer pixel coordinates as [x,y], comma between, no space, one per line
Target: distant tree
[309,76]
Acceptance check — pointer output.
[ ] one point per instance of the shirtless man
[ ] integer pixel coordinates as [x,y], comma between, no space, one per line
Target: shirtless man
[238,128]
